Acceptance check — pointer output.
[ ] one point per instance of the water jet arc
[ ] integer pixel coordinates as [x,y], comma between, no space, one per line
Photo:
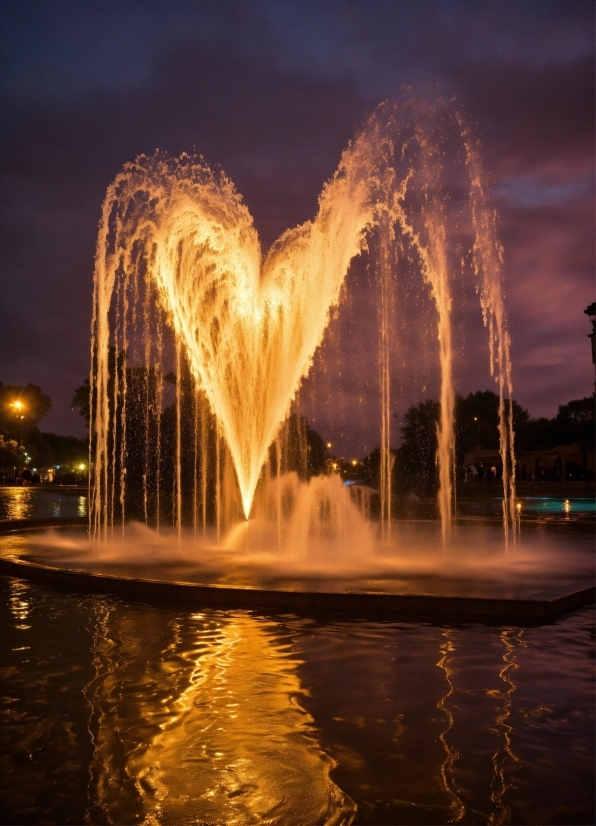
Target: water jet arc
[178,256]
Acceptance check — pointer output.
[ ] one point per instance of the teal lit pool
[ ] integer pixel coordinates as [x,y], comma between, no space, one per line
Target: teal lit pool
[557,505]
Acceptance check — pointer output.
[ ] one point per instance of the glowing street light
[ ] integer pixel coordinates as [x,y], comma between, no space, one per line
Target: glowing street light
[18,407]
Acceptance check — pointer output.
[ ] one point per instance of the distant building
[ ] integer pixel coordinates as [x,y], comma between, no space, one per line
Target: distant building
[557,464]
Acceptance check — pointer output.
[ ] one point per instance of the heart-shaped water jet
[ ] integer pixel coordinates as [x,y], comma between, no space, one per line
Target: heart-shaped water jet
[250,327]
[176,236]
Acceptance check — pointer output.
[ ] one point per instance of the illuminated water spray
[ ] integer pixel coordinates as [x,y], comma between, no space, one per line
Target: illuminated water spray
[180,275]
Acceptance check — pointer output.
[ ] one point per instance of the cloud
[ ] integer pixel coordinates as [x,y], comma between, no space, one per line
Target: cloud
[529,191]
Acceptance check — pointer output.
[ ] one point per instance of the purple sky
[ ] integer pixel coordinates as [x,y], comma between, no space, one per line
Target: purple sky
[272,93]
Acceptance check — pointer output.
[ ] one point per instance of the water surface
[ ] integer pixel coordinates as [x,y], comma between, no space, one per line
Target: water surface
[42,502]
[115,712]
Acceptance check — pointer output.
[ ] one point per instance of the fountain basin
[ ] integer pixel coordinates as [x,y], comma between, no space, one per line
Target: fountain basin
[409,593]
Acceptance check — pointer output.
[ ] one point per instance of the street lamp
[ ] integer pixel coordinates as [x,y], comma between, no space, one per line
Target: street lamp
[591,313]
[18,407]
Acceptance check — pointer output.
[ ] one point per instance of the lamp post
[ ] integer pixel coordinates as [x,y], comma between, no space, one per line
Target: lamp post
[591,313]
[18,408]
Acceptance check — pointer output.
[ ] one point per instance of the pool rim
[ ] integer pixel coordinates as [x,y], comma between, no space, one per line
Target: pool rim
[538,608]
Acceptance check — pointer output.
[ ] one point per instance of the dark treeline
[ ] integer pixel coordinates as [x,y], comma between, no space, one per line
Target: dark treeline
[161,418]
[476,426]
[148,428]
[24,448]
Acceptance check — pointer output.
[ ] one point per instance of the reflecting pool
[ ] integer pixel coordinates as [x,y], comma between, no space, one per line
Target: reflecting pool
[42,503]
[116,712]
[558,505]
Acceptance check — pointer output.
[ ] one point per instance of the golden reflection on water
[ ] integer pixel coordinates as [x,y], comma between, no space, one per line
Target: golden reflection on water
[41,502]
[465,698]
[504,759]
[18,504]
[458,808]
[19,605]
[210,718]
[203,720]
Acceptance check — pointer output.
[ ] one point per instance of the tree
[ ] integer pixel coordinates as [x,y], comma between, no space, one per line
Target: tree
[416,464]
[10,456]
[576,418]
[143,442]
[36,405]
[66,451]
[81,399]
[476,424]
[302,448]
[82,394]
[576,421]
[38,449]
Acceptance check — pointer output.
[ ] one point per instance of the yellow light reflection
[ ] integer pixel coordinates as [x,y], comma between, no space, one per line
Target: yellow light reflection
[218,733]
[18,602]
[18,503]
[458,809]
[504,759]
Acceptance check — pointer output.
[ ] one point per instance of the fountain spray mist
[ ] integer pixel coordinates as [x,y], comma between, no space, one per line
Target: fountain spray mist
[178,256]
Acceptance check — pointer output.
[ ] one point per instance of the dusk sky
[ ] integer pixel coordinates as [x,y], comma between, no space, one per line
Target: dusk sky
[272,92]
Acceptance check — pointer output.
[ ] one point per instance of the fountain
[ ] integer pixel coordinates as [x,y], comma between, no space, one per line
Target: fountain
[170,706]
[177,249]
[200,345]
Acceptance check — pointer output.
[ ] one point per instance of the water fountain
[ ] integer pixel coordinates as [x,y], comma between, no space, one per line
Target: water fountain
[177,249]
[199,349]
[162,708]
